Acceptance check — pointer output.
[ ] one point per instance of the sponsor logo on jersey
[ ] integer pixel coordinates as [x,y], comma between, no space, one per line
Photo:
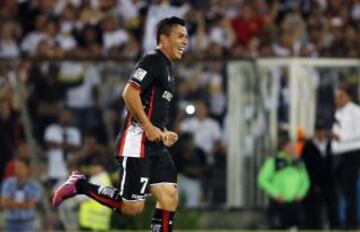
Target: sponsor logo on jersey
[139,74]
[167,95]
[106,191]
[137,197]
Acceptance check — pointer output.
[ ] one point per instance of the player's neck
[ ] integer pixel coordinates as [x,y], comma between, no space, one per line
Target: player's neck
[165,52]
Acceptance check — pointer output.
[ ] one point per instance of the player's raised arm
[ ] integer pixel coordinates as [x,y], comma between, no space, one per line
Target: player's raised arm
[131,96]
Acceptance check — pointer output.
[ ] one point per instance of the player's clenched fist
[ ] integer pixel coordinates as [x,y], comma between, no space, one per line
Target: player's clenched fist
[169,138]
[153,133]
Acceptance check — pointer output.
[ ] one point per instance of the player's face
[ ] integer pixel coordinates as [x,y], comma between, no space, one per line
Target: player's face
[177,41]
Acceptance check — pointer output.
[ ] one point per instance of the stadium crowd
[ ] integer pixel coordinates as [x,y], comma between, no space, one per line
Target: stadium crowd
[75,107]
[125,28]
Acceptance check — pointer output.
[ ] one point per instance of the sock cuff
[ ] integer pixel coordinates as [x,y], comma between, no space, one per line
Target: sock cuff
[159,213]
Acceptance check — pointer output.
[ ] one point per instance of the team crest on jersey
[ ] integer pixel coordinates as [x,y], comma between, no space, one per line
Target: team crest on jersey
[139,74]
[167,95]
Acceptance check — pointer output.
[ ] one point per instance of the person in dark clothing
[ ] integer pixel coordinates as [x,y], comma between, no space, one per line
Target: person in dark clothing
[318,159]
[191,163]
[11,134]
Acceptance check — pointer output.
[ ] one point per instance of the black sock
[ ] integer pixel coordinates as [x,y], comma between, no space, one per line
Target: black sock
[162,221]
[105,195]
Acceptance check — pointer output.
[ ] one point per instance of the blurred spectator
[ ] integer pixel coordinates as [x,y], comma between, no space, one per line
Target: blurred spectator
[221,32]
[11,132]
[191,164]
[212,79]
[206,131]
[346,145]
[32,39]
[247,25]
[23,151]
[90,41]
[83,99]
[322,197]
[90,150]
[19,195]
[8,44]
[114,36]
[157,11]
[46,100]
[62,139]
[92,215]
[89,14]
[285,180]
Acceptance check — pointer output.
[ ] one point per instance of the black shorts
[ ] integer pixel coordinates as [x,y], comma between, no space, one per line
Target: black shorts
[136,175]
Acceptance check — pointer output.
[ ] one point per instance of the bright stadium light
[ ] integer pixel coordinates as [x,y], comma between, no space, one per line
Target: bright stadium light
[190,109]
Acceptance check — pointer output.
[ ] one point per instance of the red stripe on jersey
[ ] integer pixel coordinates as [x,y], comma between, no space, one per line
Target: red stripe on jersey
[143,138]
[165,220]
[105,201]
[135,86]
[122,143]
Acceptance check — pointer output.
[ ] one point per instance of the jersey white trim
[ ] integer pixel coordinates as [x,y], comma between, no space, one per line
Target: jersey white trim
[123,176]
[133,141]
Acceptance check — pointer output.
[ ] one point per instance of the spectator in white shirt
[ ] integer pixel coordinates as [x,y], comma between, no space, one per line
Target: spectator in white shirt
[82,99]
[8,45]
[346,144]
[114,36]
[61,139]
[33,38]
[206,131]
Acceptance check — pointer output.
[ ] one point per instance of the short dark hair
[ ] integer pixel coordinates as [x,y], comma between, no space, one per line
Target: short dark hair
[23,160]
[165,25]
[346,88]
[283,139]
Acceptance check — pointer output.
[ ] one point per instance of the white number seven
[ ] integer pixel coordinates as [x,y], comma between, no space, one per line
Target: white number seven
[144,180]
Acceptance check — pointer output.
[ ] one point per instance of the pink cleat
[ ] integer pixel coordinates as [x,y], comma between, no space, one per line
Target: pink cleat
[68,189]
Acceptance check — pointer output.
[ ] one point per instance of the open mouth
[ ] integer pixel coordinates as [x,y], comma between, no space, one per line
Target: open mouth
[181,50]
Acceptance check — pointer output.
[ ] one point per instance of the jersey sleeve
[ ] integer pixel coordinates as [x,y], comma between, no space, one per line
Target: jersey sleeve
[144,73]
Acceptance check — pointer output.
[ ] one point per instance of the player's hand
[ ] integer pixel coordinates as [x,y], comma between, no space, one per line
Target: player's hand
[169,138]
[153,134]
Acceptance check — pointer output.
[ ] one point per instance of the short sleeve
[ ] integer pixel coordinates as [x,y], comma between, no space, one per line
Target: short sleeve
[6,189]
[52,135]
[145,72]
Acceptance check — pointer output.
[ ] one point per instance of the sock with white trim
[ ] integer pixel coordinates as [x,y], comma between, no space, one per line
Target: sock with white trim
[162,221]
[105,195]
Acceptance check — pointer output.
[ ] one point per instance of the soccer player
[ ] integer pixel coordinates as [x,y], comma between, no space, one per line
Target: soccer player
[147,166]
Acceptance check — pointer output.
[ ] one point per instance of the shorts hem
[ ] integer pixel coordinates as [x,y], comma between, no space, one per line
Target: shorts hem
[163,183]
[132,200]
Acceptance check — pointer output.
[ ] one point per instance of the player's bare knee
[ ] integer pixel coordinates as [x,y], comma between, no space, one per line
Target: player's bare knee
[133,208]
[170,199]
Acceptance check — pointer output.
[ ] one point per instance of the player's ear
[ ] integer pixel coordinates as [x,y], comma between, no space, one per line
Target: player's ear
[164,39]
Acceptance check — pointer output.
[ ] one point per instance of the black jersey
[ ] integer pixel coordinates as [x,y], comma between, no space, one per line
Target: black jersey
[153,78]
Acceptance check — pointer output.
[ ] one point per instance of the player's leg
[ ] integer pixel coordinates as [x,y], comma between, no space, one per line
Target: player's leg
[125,200]
[167,199]
[163,189]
